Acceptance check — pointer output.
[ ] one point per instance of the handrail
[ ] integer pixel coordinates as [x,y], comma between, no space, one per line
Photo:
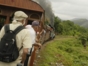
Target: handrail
[36,46]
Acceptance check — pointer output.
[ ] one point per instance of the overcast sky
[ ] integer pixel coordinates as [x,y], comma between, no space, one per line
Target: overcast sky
[70,9]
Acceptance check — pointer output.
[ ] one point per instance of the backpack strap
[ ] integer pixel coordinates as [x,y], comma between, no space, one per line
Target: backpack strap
[18,29]
[6,28]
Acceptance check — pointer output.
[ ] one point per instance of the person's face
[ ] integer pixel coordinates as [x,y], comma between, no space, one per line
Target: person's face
[35,28]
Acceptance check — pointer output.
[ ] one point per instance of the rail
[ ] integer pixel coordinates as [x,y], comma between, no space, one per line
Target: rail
[36,47]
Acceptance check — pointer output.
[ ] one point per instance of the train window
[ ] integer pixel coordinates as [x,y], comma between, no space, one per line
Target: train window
[29,22]
[2,21]
[35,16]
[0,10]
[11,17]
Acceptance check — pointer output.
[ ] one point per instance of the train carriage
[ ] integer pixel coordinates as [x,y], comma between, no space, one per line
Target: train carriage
[34,10]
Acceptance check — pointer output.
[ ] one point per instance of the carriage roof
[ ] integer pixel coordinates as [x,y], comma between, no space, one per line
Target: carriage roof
[23,4]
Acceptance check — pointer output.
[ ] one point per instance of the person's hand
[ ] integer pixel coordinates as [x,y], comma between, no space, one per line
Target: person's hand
[37,44]
[37,33]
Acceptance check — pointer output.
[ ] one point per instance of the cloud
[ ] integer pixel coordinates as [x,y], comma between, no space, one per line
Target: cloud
[65,17]
[69,9]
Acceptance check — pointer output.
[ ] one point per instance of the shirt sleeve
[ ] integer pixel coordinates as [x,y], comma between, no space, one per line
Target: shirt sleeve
[27,42]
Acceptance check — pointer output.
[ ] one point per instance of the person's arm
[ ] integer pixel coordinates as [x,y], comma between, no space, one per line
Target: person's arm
[27,43]
[25,51]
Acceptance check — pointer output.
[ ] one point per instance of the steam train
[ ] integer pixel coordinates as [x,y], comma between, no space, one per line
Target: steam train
[32,9]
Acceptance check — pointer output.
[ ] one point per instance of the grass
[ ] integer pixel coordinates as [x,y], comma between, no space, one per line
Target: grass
[63,49]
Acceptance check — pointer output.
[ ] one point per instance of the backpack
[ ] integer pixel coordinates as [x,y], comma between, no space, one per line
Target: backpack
[8,48]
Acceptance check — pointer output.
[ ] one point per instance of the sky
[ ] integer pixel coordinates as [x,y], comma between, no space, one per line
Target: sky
[70,9]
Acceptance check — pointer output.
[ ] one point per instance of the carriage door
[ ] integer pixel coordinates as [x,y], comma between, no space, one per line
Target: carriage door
[2,21]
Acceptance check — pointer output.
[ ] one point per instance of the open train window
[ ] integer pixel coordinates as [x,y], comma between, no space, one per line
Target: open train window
[29,22]
[11,17]
[2,21]
[35,16]
[0,11]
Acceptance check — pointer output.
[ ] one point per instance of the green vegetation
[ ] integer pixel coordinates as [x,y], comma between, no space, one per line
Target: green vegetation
[68,27]
[69,47]
[64,49]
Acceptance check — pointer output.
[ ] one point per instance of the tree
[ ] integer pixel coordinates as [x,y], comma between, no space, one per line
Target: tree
[83,38]
[57,24]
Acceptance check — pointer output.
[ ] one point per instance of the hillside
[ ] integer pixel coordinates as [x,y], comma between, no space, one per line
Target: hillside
[62,51]
[81,22]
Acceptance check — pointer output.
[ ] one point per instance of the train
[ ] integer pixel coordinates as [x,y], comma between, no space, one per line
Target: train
[34,12]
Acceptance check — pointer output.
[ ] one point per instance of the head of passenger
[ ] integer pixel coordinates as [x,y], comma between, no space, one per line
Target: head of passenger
[19,16]
[35,25]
